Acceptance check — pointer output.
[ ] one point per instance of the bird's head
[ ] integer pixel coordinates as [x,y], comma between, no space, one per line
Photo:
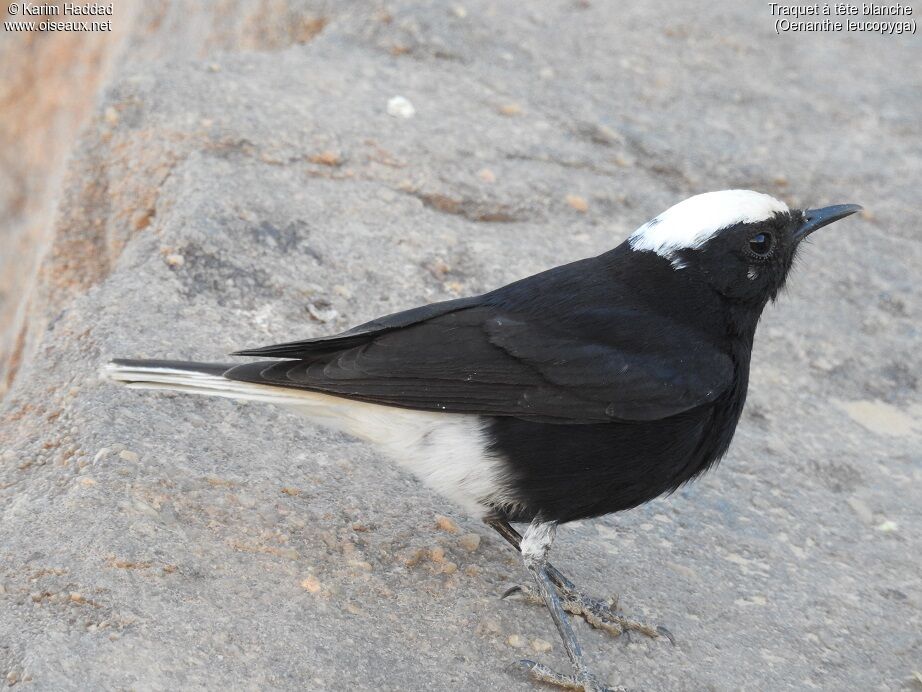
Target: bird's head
[741,242]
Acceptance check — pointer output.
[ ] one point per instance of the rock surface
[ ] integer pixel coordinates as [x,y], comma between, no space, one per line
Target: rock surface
[245,181]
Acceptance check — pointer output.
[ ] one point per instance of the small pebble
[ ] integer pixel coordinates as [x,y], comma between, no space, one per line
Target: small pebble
[322,314]
[128,455]
[439,268]
[87,481]
[446,524]
[449,568]
[327,158]
[887,526]
[294,492]
[311,583]
[541,645]
[175,260]
[76,597]
[400,107]
[486,175]
[515,641]
[603,134]
[111,115]
[510,109]
[578,203]
[437,554]
[470,542]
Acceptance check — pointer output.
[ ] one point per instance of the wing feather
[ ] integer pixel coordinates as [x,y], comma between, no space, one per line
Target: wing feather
[474,358]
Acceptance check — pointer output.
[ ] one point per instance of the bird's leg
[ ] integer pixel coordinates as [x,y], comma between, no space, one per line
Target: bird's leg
[534,547]
[600,614]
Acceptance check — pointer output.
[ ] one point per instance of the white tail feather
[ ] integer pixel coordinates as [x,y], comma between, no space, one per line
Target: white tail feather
[208,384]
[191,382]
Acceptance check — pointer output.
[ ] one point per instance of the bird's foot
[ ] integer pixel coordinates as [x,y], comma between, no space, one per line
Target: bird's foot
[584,680]
[600,614]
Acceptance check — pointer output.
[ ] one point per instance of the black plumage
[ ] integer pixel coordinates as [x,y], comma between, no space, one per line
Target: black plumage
[583,390]
[644,359]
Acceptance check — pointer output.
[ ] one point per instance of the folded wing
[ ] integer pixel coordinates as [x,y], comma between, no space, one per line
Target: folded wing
[468,356]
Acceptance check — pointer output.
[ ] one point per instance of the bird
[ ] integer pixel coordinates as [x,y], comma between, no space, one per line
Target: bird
[584,390]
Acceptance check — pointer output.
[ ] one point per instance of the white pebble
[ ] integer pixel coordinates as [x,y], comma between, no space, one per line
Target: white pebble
[400,107]
[321,314]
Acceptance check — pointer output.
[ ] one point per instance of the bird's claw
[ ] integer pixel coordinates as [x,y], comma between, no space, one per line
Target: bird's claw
[584,681]
[524,593]
[663,632]
[599,614]
[514,591]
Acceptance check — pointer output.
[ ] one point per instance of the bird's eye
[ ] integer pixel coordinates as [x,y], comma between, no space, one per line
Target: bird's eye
[761,244]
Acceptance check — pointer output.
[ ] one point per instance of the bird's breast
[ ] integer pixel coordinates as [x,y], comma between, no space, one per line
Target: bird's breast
[569,472]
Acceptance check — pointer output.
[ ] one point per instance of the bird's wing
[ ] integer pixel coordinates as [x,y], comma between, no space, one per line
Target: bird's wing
[601,365]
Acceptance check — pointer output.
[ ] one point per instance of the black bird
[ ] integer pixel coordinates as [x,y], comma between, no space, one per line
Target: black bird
[587,389]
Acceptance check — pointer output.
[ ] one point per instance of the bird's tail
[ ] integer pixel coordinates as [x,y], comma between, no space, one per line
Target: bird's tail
[196,378]
[385,425]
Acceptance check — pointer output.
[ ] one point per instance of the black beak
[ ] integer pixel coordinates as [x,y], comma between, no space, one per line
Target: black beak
[814,219]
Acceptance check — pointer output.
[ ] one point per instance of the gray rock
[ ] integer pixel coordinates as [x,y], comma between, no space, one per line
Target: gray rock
[242,198]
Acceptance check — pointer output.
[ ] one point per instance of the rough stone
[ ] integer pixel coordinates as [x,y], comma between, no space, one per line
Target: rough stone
[219,558]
